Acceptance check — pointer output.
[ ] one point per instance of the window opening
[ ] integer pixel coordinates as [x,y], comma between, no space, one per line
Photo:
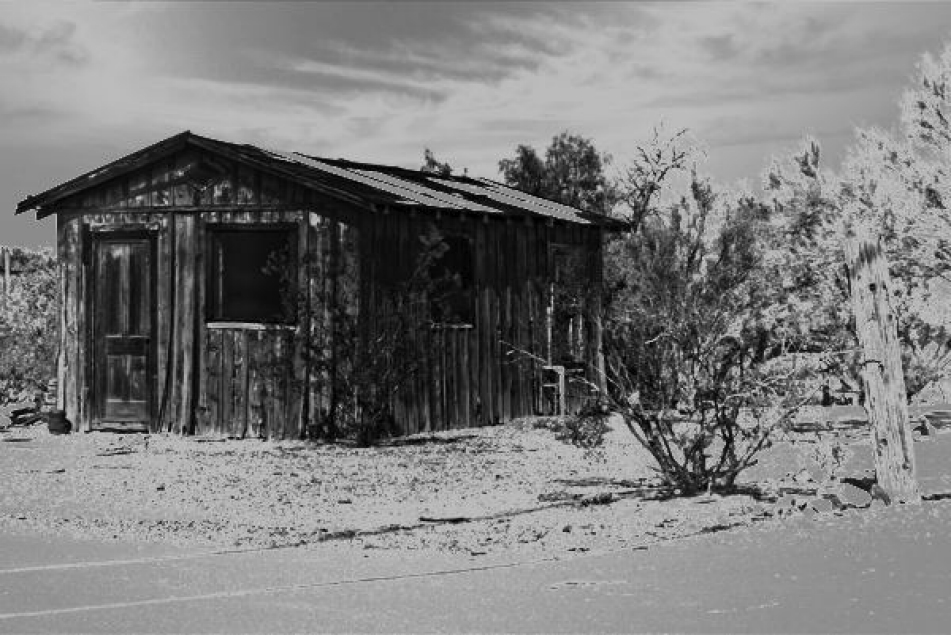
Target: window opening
[452,282]
[566,304]
[252,274]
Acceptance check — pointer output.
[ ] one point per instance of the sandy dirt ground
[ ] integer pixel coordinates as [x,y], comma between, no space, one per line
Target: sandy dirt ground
[508,489]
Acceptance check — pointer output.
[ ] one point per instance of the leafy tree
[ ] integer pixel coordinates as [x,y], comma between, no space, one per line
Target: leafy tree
[900,182]
[894,195]
[527,172]
[919,166]
[28,325]
[812,207]
[571,173]
[434,166]
[808,309]
[925,112]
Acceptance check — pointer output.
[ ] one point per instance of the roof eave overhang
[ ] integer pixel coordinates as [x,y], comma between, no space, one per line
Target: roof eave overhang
[102,174]
[120,167]
[45,203]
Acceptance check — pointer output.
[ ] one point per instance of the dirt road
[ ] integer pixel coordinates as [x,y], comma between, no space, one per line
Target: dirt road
[887,570]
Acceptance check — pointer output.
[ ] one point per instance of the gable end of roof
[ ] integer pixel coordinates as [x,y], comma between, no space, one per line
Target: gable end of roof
[363,184]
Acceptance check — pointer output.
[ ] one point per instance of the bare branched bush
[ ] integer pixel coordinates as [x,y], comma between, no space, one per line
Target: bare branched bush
[684,350]
[586,429]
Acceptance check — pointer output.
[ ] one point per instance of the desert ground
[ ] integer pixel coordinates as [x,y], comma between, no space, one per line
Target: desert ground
[512,489]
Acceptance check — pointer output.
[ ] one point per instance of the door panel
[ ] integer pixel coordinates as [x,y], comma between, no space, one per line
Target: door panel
[122,325]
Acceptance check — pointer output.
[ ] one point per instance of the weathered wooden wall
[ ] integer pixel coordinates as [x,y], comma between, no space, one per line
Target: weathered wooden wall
[75,234]
[251,376]
[234,380]
[243,380]
[489,370]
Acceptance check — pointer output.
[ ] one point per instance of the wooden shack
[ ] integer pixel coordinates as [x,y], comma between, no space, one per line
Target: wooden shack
[175,262]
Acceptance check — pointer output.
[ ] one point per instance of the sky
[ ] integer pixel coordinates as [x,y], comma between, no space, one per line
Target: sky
[84,84]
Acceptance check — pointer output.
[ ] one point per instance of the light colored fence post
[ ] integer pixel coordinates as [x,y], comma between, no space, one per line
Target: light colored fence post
[882,376]
[6,272]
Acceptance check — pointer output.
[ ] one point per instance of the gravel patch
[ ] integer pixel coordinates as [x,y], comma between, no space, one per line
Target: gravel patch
[481,491]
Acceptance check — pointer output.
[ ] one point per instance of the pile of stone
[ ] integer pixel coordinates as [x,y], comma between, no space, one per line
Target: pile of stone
[29,409]
[20,414]
[931,421]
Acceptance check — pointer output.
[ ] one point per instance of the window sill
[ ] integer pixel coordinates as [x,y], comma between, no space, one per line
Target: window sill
[250,326]
[450,326]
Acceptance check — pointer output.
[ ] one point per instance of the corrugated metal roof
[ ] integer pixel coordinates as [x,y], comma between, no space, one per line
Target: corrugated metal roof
[371,184]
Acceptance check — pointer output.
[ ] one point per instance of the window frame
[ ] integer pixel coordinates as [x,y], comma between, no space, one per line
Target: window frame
[573,351]
[467,291]
[214,313]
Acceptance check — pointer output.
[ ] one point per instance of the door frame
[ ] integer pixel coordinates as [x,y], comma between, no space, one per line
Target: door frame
[97,236]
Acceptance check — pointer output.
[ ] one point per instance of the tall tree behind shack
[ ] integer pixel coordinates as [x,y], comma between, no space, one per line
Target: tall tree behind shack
[432,165]
[572,173]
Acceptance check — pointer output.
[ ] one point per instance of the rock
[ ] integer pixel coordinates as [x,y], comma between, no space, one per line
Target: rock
[814,473]
[834,499]
[602,498]
[5,421]
[803,476]
[862,482]
[852,496]
[822,505]
[26,417]
[553,497]
[879,494]
[924,428]
[792,503]
[19,407]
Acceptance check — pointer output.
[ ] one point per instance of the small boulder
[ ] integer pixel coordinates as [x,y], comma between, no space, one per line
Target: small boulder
[924,428]
[804,476]
[853,496]
[601,498]
[792,503]
[822,505]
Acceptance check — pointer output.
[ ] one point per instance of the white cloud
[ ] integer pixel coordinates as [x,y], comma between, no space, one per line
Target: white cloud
[745,76]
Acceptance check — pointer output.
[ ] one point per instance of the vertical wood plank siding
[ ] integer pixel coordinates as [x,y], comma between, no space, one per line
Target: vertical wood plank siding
[236,380]
[72,337]
[252,376]
[488,371]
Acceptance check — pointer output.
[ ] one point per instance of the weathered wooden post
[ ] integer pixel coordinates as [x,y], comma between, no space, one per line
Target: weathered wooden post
[6,272]
[882,378]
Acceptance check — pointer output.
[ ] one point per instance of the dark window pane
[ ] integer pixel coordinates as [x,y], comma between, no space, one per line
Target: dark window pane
[251,275]
[570,273]
[452,277]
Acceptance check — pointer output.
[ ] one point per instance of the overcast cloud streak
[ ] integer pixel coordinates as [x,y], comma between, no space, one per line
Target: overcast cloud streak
[379,82]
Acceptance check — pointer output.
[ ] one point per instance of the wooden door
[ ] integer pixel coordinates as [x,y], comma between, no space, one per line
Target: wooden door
[123,323]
